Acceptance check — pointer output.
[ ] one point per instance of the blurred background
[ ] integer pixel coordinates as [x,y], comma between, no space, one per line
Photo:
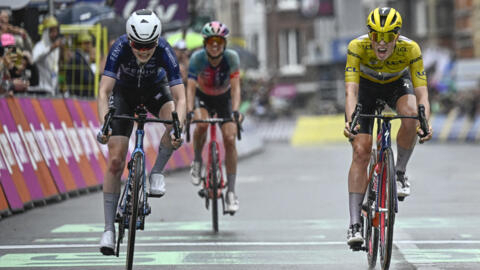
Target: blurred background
[292,52]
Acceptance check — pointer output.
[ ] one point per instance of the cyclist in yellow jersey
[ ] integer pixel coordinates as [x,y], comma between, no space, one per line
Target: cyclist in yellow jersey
[381,65]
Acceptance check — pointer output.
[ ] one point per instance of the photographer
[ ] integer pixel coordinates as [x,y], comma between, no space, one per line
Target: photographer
[46,56]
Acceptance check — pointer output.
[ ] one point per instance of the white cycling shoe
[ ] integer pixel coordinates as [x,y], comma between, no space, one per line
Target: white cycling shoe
[403,185]
[232,205]
[107,243]
[157,185]
[195,172]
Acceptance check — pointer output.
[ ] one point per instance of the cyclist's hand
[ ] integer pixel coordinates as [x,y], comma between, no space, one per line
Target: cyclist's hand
[347,133]
[424,138]
[103,139]
[176,143]
[237,115]
[190,116]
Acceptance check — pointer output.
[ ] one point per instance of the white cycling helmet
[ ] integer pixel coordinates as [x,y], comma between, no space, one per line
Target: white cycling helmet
[143,26]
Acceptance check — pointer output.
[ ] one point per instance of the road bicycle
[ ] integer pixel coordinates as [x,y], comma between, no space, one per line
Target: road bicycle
[380,204]
[133,205]
[213,182]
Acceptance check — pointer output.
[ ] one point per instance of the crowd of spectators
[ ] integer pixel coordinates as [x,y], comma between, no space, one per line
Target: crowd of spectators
[52,66]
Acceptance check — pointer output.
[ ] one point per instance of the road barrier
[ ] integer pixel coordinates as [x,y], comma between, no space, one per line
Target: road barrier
[451,127]
[49,151]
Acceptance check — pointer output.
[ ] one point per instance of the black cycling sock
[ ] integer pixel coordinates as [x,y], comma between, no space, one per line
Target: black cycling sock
[164,154]
[198,155]
[110,201]
[355,202]
[403,155]
[231,177]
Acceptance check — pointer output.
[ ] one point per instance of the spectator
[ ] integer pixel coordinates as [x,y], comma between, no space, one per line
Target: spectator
[22,38]
[181,52]
[5,82]
[46,55]
[79,76]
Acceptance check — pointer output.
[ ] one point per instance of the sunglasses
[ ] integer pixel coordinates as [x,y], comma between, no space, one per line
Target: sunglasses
[218,40]
[379,36]
[143,46]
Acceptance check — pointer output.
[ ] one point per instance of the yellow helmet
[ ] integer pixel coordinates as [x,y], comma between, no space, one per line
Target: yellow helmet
[84,36]
[48,22]
[384,19]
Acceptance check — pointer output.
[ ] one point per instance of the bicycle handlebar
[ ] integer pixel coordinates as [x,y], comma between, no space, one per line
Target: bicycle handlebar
[421,117]
[213,121]
[142,118]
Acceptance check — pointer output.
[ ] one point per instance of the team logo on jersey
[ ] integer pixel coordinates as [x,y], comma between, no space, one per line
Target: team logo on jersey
[421,75]
[350,69]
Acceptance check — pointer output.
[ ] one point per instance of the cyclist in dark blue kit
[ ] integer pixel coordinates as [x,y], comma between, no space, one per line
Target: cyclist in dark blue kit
[141,68]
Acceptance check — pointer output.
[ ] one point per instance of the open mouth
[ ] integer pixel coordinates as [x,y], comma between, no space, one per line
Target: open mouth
[382,50]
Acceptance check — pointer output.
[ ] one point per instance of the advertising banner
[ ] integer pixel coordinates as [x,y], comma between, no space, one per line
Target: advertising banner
[8,187]
[28,137]
[3,201]
[20,152]
[61,138]
[47,143]
[87,138]
[72,139]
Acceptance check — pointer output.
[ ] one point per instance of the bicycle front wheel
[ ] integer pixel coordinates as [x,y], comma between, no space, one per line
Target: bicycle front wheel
[371,229]
[136,182]
[214,173]
[387,203]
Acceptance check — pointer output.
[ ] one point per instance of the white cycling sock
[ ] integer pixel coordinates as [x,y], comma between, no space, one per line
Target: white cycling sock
[110,201]
[231,177]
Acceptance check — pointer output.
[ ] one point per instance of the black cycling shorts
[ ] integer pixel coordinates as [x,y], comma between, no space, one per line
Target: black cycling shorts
[369,92]
[126,99]
[221,104]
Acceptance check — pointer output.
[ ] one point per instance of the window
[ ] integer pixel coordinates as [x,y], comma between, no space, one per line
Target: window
[288,53]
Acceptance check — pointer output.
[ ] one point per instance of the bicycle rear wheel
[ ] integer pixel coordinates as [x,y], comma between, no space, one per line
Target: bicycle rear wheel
[136,182]
[214,184]
[387,202]
[371,231]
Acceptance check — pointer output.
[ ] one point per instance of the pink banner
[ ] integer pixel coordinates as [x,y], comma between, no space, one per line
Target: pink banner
[41,137]
[6,181]
[20,152]
[62,140]
[88,141]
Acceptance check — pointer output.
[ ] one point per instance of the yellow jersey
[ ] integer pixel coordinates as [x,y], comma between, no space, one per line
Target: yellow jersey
[362,62]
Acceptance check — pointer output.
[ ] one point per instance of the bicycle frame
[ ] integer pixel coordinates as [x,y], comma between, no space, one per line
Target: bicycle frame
[131,195]
[213,140]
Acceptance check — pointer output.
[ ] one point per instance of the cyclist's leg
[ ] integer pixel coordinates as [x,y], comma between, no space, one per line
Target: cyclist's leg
[406,104]
[357,176]
[161,105]
[229,133]
[199,136]
[117,151]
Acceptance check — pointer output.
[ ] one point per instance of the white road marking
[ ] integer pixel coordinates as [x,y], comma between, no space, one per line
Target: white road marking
[202,244]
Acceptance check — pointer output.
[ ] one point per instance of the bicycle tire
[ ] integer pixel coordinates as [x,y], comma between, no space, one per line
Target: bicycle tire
[371,231]
[137,173]
[214,185]
[387,219]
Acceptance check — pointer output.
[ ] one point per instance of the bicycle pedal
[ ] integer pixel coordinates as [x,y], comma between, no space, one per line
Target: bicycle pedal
[202,193]
[155,195]
[357,247]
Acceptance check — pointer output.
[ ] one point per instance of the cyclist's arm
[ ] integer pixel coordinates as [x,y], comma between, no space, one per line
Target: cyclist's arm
[235,93]
[421,92]
[191,88]
[178,92]
[106,86]
[351,99]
